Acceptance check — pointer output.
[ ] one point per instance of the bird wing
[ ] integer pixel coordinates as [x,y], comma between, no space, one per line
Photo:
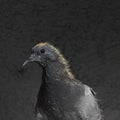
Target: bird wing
[87,105]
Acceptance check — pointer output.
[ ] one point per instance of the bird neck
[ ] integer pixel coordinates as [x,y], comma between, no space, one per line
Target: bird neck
[58,70]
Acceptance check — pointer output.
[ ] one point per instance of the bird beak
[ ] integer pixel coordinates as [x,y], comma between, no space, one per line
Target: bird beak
[32,58]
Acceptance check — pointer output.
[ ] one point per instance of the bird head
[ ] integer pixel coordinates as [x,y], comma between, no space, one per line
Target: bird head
[48,56]
[43,53]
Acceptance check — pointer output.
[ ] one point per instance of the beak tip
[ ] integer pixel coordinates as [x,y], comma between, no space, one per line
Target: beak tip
[30,59]
[25,63]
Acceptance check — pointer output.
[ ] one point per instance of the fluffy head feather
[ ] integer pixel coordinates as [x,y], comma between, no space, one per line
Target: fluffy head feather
[52,54]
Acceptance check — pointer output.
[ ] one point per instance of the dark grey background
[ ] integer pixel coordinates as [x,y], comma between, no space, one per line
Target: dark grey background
[86,31]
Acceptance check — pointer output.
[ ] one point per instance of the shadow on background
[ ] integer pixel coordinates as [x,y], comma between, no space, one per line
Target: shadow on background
[87,33]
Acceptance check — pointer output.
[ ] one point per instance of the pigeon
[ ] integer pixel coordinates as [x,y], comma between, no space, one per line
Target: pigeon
[61,95]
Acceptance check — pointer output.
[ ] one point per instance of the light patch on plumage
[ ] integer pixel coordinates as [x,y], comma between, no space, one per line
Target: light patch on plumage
[39,116]
[87,90]
[60,57]
[42,44]
[87,105]
[67,67]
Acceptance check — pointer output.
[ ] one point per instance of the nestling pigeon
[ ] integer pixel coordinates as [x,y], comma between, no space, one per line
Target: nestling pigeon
[61,95]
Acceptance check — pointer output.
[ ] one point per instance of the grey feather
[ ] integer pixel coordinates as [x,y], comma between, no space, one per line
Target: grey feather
[61,95]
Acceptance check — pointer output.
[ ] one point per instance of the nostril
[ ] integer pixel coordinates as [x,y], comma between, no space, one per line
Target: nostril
[31,57]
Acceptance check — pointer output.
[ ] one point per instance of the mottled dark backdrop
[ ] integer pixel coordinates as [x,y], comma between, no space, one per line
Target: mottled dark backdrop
[86,31]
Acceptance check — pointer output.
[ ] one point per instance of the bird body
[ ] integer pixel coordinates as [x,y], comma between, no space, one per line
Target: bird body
[61,95]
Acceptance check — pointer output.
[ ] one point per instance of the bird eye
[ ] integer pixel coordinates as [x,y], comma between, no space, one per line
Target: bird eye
[42,50]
